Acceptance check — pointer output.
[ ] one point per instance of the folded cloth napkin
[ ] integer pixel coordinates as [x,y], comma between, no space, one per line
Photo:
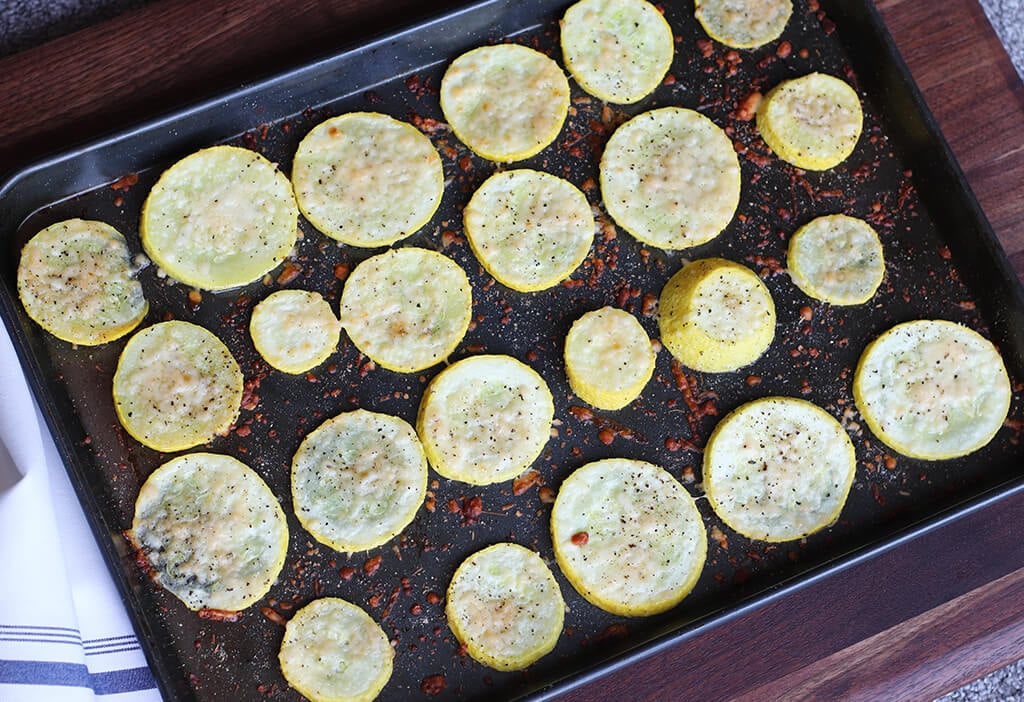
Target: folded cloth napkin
[64,631]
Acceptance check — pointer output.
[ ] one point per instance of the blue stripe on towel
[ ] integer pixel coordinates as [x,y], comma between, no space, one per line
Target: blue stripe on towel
[106,651]
[39,628]
[75,675]
[105,640]
[56,634]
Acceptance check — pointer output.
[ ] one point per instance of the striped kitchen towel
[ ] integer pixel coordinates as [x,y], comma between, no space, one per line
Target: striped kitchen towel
[64,632]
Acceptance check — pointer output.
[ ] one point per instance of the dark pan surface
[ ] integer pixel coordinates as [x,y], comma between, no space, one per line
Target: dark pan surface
[942,262]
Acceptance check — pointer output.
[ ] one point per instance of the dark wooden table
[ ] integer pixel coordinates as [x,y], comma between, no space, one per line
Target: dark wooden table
[925,617]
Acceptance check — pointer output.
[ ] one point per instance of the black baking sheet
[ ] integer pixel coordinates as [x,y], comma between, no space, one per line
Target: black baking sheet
[943,261]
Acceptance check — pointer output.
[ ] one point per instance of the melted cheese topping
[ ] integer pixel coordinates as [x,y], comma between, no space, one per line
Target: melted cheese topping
[716,315]
[407,309]
[813,122]
[333,651]
[294,330]
[608,358]
[932,389]
[76,281]
[837,259]
[617,50]
[212,531]
[505,606]
[671,178]
[778,469]
[485,419]
[367,179]
[628,536]
[176,386]
[219,218]
[529,229]
[743,24]
[358,479]
[505,102]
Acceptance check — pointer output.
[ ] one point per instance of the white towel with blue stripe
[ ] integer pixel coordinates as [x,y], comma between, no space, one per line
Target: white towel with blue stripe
[64,631]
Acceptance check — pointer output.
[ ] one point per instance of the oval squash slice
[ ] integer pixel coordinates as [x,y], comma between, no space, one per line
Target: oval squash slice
[505,606]
[628,536]
[932,389]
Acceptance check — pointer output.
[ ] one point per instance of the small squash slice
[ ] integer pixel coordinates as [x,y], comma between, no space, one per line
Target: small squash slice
[367,179]
[358,480]
[529,229]
[608,358]
[485,419]
[333,651]
[176,386]
[220,218]
[294,330]
[837,259]
[407,309]
[76,281]
[504,604]
[617,50]
[743,24]
[716,315]
[671,178]
[505,102]
[812,122]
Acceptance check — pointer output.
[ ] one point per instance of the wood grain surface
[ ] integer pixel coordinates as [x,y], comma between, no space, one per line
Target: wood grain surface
[978,99]
[895,665]
[921,619]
